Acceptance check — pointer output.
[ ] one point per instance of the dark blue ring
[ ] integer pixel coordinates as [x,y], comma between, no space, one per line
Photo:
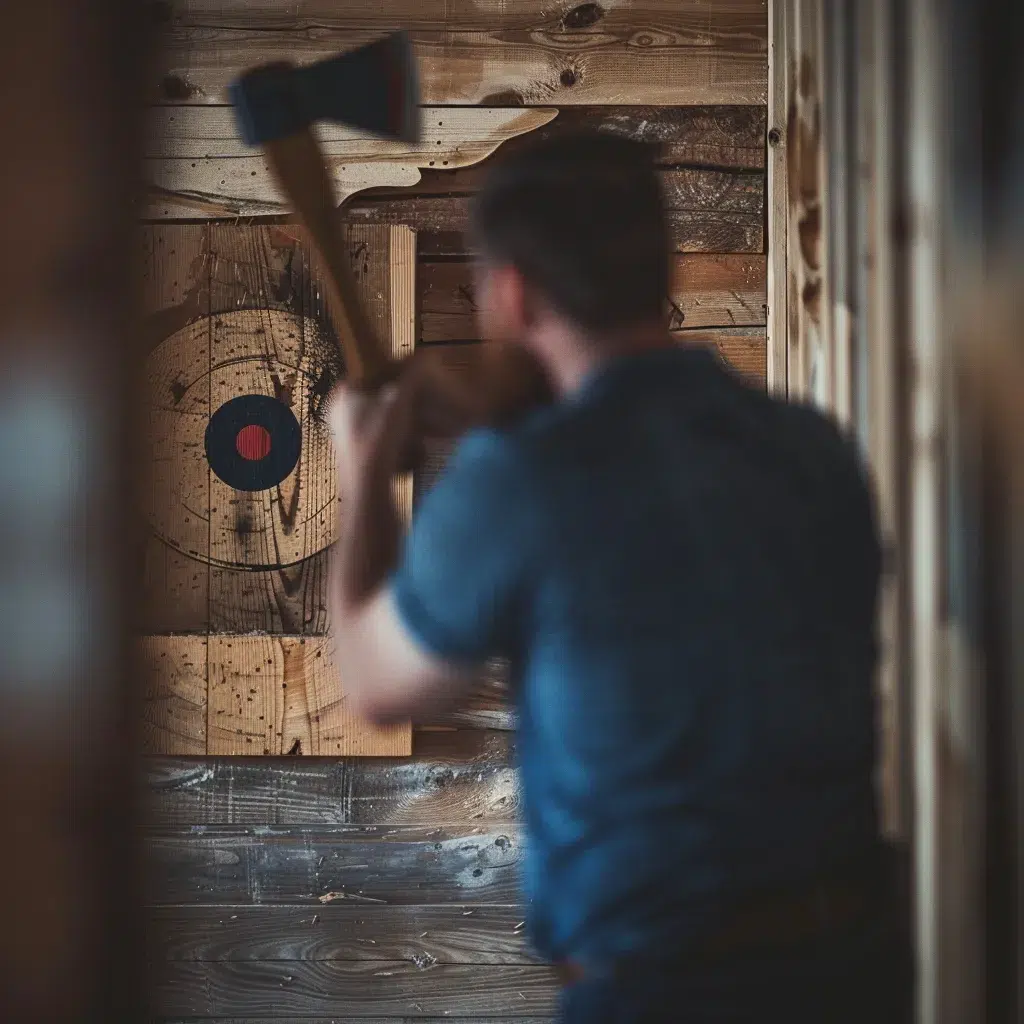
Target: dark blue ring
[221,442]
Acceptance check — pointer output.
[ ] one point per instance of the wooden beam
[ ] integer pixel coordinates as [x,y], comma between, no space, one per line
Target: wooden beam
[649,52]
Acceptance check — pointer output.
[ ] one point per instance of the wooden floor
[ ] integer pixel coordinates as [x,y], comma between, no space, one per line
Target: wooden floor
[384,889]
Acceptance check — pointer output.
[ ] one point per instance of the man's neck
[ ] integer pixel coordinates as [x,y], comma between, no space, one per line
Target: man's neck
[571,356]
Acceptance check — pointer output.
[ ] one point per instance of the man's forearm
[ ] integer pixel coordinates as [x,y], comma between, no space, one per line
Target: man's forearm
[368,546]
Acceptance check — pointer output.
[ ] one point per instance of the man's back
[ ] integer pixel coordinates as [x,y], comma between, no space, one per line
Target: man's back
[684,575]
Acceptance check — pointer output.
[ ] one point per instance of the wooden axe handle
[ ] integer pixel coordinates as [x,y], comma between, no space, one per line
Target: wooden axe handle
[298,164]
[493,385]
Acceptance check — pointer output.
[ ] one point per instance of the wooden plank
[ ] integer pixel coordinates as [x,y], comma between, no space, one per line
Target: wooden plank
[197,166]
[878,276]
[362,1020]
[480,15]
[253,694]
[284,695]
[440,227]
[714,138]
[421,935]
[707,290]
[464,777]
[395,865]
[743,349]
[174,594]
[655,52]
[233,187]
[351,989]
[173,694]
[708,211]
[808,360]
[717,290]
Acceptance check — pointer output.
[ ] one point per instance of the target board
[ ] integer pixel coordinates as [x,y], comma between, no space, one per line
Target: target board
[246,474]
[241,496]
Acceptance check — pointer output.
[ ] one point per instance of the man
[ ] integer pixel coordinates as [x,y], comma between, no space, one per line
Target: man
[683,574]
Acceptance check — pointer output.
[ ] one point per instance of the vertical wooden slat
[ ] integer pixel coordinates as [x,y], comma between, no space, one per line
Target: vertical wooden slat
[809,362]
[402,325]
[838,68]
[876,413]
[174,694]
[777,200]
[175,282]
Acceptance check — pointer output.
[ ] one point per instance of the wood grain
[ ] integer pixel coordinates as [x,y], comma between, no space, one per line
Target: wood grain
[650,52]
[351,989]
[458,777]
[284,695]
[707,290]
[197,166]
[291,1019]
[173,693]
[743,349]
[809,362]
[251,694]
[707,211]
[254,281]
[174,594]
[335,931]
[372,865]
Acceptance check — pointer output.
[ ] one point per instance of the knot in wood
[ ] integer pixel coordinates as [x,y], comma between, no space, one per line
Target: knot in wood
[582,16]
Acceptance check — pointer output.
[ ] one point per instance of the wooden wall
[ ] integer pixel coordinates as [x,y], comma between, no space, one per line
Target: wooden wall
[385,888]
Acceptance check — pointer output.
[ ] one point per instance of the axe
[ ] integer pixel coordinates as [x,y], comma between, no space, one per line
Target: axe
[373,88]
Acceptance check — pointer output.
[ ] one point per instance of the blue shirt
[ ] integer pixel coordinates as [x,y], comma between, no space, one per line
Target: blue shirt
[683,572]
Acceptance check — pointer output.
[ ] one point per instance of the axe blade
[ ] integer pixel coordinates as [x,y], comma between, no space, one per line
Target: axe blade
[374,88]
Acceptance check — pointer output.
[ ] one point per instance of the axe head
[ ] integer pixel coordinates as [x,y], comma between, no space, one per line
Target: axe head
[374,88]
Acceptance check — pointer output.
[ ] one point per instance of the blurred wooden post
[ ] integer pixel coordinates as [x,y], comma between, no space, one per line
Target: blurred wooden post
[67,868]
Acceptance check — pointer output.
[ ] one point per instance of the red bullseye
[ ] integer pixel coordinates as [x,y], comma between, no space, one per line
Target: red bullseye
[253,442]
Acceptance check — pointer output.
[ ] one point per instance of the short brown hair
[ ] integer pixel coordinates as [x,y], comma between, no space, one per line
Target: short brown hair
[582,218]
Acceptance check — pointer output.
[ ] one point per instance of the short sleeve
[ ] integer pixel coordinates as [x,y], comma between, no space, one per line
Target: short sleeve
[459,586]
